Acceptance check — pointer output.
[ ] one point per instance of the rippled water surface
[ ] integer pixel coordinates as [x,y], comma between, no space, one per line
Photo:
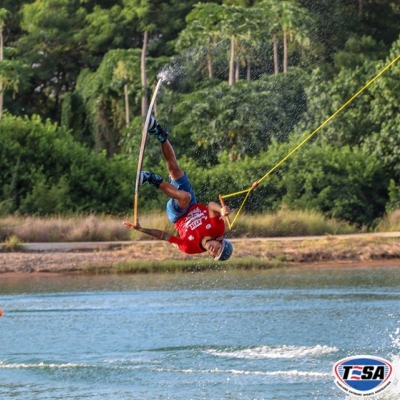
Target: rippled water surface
[240,335]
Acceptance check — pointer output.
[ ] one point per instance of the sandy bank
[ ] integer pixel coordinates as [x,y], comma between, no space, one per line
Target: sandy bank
[365,249]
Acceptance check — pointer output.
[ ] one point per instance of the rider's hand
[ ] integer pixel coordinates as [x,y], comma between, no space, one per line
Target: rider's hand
[225,211]
[132,226]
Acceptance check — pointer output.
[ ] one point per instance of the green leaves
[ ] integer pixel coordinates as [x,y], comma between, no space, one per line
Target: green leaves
[341,183]
[45,171]
[244,119]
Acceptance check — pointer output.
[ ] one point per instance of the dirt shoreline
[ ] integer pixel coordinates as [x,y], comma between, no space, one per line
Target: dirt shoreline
[347,250]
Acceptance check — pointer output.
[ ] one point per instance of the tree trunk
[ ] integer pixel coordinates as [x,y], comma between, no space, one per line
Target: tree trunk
[285,56]
[248,73]
[210,67]
[144,76]
[237,70]
[1,82]
[232,62]
[209,61]
[276,60]
[126,105]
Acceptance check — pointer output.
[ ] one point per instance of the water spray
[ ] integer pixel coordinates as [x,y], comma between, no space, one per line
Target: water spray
[171,74]
[167,75]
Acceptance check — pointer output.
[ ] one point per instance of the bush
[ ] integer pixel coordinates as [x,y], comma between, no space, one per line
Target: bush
[43,170]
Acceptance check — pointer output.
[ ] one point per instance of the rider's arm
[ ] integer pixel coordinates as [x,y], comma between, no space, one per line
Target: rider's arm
[155,233]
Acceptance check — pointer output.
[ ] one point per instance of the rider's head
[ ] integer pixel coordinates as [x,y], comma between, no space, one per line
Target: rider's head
[221,249]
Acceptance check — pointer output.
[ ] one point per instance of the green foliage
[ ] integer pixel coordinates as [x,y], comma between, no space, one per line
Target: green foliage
[73,118]
[371,121]
[14,75]
[384,142]
[13,243]
[341,183]
[50,44]
[46,171]
[104,29]
[352,125]
[241,120]
[394,197]
[46,198]
[357,51]
[95,112]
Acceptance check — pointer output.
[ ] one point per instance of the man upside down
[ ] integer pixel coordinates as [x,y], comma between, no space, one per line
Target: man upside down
[201,227]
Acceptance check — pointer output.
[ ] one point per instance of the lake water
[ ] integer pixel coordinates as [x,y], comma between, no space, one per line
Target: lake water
[272,334]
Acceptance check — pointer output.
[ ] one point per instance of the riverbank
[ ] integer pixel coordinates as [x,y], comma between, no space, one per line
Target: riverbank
[156,256]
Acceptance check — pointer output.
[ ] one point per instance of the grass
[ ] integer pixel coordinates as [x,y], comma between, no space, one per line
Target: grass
[83,228]
[391,222]
[177,266]
[64,229]
[13,243]
[291,223]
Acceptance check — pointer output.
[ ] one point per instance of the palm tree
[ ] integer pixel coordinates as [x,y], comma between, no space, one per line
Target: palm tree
[240,25]
[143,73]
[270,12]
[3,15]
[296,24]
[202,29]
[289,21]
[209,24]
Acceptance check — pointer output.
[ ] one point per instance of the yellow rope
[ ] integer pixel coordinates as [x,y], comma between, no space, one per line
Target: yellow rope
[256,183]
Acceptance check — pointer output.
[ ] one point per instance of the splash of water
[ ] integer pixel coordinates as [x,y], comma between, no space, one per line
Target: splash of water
[392,393]
[394,389]
[169,73]
[276,352]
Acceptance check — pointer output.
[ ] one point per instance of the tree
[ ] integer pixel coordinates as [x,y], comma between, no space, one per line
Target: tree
[238,24]
[358,50]
[379,17]
[97,110]
[296,25]
[122,25]
[13,73]
[43,171]
[3,15]
[105,28]
[202,30]
[99,99]
[51,48]
[12,30]
[335,21]
[211,25]
[292,21]
[384,138]
[341,183]
[370,121]
[242,119]
[157,21]
[270,12]
[324,97]
[140,13]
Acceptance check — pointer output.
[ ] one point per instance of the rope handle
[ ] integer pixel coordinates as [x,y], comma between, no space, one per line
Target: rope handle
[228,220]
